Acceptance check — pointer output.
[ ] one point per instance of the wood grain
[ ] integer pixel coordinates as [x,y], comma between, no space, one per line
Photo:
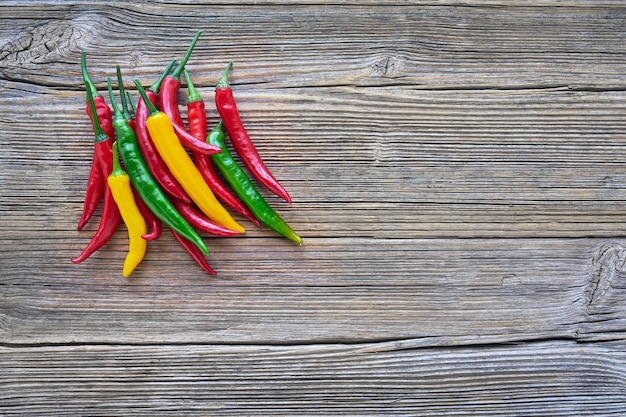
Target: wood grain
[458,179]
[360,380]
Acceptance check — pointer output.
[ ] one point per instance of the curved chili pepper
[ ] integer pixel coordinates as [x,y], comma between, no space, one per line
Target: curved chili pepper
[182,167]
[95,184]
[109,223]
[111,218]
[154,161]
[168,103]
[200,222]
[227,108]
[152,221]
[93,194]
[119,182]
[244,188]
[196,118]
[105,116]
[195,253]
[144,182]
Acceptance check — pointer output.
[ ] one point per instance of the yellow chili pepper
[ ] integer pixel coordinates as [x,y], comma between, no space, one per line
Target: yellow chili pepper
[182,167]
[119,182]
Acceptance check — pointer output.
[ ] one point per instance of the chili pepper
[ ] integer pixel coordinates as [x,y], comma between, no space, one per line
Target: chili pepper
[227,108]
[195,253]
[93,194]
[123,101]
[149,217]
[196,118]
[122,192]
[244,188]
[95,184]
[105,116]
[200,222]
[152,221]
[111,218]
[154,161]
[182,167]
[168,103]
[144,182]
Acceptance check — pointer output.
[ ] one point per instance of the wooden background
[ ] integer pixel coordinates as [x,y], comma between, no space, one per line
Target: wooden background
[458,179]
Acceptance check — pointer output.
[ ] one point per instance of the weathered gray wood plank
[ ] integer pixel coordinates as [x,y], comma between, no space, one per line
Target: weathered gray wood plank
[455,291]
[410,173]
[554,378]
[416,46]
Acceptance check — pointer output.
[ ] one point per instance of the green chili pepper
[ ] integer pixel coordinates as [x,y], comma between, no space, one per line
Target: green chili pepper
[245,189]
[143,181]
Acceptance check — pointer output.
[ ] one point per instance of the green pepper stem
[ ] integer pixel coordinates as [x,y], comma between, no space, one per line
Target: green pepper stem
[192,93]
[120,86]
[100,136]
[117,167]
[116,109]
[157,84]
[88,83]
[181,66]
[144,97]
[132,103]
[216,136]
[219,128]
[223,82]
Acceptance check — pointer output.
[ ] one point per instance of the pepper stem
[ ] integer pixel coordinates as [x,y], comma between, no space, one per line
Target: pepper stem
[120,86]
[88,83]
[181,66]
[100,136]
[223,82]
[144,97]
[117,168]
[219,128]
[131,102]
[157,84]
[192,93]
[116,109]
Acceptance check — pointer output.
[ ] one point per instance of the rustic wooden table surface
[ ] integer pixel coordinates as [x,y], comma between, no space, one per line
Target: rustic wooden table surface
[457,175]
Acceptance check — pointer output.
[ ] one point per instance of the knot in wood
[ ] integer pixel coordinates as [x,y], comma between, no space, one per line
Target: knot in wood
[385,67]
[39,45]
[608,268]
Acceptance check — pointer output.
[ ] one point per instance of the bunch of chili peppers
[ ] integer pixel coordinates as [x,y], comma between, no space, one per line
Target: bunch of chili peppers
[150,170]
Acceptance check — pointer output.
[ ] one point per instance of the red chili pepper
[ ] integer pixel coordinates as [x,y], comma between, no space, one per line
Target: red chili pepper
[168,103]
[154,161]
[195,253]
[94,193]
[200,221]
[109,223]
[96,182]
[227,108]
[152,221]
[111,217]
[105,115]
[196,118]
